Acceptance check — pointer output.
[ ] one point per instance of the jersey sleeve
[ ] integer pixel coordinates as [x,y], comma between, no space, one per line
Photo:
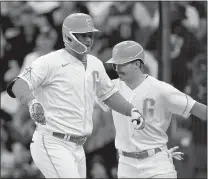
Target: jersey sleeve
[36,74]
[106,86]
[177,102]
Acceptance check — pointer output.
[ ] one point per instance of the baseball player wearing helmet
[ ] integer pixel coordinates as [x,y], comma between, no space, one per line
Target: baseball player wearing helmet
[60,89]
[143,153]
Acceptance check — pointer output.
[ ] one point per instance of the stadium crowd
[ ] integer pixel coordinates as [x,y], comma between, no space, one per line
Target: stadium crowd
[32,29]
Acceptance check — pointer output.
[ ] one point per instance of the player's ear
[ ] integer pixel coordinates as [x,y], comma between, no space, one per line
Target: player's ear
[138,64]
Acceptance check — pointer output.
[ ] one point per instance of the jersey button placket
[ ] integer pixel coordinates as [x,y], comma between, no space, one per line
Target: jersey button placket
[85,98]
[132,97]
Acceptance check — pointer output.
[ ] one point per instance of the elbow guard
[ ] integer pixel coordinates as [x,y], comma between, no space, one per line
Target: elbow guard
[9,88]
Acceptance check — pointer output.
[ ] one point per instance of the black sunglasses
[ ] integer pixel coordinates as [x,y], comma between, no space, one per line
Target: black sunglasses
[124,64]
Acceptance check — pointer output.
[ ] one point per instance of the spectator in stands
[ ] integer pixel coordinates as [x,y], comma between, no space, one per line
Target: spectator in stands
[151,64]
[7,159]
[184,47]
[22,33]
[3,62]
[45,43]
[98,168]
[192,21]
[198,127]
[100,148]
[201,7]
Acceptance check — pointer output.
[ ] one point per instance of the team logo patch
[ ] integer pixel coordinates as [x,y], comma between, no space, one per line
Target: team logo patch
[115,51]
[89,23]
[27,73]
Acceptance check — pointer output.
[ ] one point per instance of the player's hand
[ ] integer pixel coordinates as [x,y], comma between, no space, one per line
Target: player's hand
[36,112]
[176,155]
[137,119]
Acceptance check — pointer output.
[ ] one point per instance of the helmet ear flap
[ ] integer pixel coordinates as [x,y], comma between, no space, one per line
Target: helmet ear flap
[69,39]
[72,42]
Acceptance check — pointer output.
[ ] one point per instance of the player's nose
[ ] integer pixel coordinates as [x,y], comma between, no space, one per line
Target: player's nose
[88,37]
[88,40]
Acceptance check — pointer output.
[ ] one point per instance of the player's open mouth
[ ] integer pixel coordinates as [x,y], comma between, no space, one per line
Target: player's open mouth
[87,44]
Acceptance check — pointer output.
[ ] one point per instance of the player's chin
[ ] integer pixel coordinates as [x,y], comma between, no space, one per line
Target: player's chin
[89,46]
[88,49]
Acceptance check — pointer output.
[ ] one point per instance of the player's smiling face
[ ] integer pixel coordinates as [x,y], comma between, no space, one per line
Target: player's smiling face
[86,39]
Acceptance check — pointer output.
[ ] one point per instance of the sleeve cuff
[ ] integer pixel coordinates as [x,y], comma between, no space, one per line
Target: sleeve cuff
[110,93]
[29,84]
[9,89]
[190,104]
[102,105]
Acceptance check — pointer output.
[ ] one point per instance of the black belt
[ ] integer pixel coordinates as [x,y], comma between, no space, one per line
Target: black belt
[141,155]
[79,140]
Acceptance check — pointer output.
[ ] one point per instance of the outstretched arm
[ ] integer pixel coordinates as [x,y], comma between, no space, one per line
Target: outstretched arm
[199,110]
[119,104]
[181,104]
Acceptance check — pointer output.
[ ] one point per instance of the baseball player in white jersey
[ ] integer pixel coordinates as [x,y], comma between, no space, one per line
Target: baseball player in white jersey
[143,153]
[60,89]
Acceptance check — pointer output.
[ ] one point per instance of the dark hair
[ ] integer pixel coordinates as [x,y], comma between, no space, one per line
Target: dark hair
[140,60]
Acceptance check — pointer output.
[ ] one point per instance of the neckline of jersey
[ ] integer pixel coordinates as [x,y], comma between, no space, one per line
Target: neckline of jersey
[74,59]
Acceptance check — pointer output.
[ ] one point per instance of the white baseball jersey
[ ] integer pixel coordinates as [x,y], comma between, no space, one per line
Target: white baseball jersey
[67,91]
[157,101]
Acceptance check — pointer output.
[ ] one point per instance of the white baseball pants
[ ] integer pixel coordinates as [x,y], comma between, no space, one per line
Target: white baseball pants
[57,158]
[159,165]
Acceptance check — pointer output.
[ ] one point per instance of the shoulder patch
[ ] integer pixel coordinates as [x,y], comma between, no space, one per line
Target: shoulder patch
[27,73]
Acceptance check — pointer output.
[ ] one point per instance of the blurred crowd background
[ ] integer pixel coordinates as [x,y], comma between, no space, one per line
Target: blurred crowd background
[32,29]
